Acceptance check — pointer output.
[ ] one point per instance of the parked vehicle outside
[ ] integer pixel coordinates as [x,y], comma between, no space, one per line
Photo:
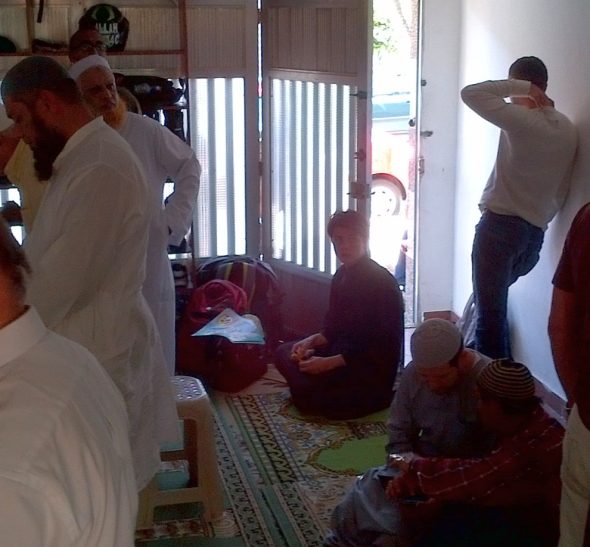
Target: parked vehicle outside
[392,110]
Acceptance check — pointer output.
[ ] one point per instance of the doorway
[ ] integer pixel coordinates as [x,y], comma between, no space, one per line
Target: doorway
[393,137]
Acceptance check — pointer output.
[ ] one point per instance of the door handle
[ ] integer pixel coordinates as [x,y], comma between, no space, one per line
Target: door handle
[426,133]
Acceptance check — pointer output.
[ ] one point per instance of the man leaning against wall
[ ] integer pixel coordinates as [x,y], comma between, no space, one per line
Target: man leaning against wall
[527,186]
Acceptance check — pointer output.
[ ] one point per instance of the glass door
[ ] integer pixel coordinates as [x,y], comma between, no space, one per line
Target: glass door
[393,137]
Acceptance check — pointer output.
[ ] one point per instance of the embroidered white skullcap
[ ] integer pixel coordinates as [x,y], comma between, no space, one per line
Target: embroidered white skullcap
[81,66]
[435,342]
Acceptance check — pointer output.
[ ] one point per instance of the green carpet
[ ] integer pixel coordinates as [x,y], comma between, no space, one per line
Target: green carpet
[283,474]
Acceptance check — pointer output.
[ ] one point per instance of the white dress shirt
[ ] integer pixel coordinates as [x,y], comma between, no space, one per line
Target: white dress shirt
[536,151]
[66,473]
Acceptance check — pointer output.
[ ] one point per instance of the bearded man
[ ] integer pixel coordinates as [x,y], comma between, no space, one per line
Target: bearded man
[163,156]
[89,244]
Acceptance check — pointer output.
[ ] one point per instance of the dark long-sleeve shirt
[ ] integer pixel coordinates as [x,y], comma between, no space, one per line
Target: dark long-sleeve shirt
[364,322]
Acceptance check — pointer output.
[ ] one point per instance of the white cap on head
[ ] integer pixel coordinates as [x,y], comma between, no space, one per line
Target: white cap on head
[435,342]
[81,66]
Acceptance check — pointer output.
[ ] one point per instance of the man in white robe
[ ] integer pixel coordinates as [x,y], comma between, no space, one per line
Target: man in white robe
[89,245]
[163,155]
[66,473]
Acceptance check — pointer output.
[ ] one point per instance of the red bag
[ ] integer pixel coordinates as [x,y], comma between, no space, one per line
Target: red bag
[259,281]
[215,360]
[235,366]
[215,296]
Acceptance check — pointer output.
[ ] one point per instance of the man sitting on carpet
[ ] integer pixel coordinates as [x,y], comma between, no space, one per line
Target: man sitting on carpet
[434,413]
[509,497]
[347,370]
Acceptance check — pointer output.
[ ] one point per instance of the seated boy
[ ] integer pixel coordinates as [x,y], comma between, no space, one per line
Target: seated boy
[347,370]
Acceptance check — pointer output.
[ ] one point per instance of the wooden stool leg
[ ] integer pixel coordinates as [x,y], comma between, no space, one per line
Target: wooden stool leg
[145,509]
[191,450]
[208,470]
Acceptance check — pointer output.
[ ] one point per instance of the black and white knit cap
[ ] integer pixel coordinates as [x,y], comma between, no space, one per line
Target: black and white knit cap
[435,342]
[507,379]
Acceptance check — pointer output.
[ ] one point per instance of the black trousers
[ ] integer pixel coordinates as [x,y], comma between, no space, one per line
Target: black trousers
[340,394]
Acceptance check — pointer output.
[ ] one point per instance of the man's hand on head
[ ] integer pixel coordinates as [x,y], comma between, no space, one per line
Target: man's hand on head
[539,97]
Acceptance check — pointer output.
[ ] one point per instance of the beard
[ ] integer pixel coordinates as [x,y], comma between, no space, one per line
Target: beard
[48,144]
[116,116]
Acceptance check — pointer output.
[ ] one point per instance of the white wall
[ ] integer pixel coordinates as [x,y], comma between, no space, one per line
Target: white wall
[493,35]
[440,53]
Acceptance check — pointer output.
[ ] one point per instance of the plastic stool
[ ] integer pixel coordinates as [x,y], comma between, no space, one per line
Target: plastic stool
[194,408]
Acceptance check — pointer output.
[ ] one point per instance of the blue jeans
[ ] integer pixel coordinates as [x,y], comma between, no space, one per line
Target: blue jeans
[504,248]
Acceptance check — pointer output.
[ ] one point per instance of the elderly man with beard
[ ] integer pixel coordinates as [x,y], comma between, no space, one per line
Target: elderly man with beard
[163,155]
[89,244]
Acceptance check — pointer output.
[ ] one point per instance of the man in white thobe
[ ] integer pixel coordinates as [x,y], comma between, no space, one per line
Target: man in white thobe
[163,155]
[66,473]
[89,244]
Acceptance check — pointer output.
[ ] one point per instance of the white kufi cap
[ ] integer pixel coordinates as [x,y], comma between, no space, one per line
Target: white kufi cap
[435,342]
[81,66]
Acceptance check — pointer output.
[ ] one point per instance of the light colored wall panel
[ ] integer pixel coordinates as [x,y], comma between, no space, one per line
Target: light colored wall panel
[13,25]
[152,28]
[55,25]
[441,43]
[313,39]
[216,41]
[166,66]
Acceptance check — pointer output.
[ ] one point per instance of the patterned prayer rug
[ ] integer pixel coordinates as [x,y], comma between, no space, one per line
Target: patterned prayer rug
[282,472]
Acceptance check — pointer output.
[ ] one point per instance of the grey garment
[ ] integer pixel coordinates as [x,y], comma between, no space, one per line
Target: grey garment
[421,422]
[433,424]
[366,516]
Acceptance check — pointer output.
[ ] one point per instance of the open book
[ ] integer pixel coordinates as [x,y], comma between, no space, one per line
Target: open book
[239,329]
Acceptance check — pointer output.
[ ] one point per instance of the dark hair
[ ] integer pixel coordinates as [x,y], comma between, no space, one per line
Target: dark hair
[33,74]
[13,262]
[531,69]
[511,407]
[80,35]
[351,220]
